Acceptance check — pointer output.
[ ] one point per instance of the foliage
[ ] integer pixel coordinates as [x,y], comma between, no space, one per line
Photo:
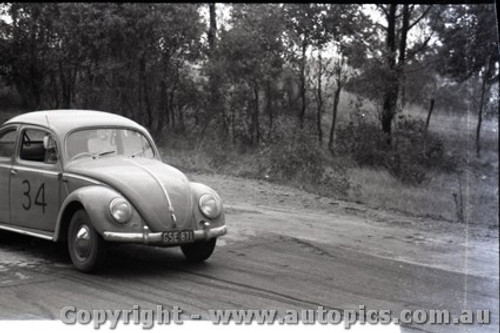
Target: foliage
[296,156]
[413,154]
[471,50]
[243,93]
[251,58]
[64,55]
[471,40]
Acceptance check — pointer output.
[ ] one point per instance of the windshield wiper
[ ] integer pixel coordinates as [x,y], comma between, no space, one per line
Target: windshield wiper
[138,152]
[103,153]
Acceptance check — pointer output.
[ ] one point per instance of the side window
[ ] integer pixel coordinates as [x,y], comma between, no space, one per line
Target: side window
[7,142]
[38,146]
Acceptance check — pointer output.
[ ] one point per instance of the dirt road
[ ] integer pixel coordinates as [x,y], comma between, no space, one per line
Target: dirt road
[286,249]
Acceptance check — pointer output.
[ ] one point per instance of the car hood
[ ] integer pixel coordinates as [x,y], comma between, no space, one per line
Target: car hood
[142,181]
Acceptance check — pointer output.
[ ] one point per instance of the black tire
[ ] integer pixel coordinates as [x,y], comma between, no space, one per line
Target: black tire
[90,255]
[199,251]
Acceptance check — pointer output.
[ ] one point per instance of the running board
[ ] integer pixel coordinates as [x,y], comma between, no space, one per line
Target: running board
[47,235]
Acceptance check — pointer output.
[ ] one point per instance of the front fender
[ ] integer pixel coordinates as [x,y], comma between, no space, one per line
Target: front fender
[197,190]
[95,199]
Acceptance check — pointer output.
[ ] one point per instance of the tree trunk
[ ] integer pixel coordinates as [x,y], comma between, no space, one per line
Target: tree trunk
[181,126]
[269,108]
[232,120]
[402,53]
[404,33]
[65,90]
[320,99]
[72,84]
[163,107]
[255,120]
[215,98]
[36,79]
[303,82]
[336,100]
[144,88]
[480,113]
[428,120]
[391,94]
[55,90]
[212,31]
[171,97]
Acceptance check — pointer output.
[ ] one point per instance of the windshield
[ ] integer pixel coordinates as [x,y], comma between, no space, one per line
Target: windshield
[98,142]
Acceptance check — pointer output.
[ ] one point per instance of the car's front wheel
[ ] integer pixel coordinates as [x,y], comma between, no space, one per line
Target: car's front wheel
[86,247]
[199,251]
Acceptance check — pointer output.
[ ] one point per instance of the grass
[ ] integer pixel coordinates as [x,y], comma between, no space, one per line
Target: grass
[198,160]
[434,198]
[377,188]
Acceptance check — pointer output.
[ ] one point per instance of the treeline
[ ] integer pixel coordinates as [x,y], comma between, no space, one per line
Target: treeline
[269,68]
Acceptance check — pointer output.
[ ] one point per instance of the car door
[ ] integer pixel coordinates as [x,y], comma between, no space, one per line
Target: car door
[35,180]
[8,136]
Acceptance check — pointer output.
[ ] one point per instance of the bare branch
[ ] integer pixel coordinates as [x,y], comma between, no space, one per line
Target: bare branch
[426,41]
[381,25]
[421,48]
[384,10]
[420,17]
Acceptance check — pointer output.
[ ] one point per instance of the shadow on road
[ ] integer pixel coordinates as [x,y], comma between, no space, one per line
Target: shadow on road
[121,259]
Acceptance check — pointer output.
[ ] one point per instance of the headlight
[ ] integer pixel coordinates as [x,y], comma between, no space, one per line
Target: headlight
[121,210]
[210,206]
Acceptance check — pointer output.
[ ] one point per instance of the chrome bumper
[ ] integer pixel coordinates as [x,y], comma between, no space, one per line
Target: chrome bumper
[156,237]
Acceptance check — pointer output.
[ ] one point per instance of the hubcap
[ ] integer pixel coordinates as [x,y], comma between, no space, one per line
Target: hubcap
[82,241]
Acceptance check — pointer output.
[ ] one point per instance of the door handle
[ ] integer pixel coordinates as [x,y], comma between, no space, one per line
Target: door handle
[13,172]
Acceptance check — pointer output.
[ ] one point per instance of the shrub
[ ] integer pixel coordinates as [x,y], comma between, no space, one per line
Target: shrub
[411,155]
[293,156]
[365,142]
[296,156]
[219,155]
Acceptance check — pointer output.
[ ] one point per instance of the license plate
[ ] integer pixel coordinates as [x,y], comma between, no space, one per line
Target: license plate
[178,237]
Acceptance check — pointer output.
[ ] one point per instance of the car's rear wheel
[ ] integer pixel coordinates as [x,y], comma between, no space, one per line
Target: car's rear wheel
[86,247]
[199,251]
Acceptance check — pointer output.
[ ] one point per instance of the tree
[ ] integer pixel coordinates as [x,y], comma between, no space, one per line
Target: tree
[252,56]
[307,27]
[28,54]
[340,75]
[318,91]
[350,53]
[215,103]
[130,58]
[470,48]
[398,52]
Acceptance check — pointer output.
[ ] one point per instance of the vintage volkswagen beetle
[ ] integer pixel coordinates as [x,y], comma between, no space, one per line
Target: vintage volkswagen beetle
[90,177]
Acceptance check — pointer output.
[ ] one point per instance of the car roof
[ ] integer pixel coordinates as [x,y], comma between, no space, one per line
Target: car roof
[64,121]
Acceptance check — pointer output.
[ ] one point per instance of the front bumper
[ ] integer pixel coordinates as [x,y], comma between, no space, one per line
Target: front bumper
[147,237]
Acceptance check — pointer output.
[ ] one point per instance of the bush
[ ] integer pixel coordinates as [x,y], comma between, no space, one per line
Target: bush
[365,142]
[219,154]
[411,155]
[294,157]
